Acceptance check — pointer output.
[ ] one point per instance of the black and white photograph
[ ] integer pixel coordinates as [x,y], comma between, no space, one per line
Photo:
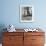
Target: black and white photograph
[26,13]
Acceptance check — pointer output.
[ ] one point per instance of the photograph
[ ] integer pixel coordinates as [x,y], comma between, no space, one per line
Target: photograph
[26,13]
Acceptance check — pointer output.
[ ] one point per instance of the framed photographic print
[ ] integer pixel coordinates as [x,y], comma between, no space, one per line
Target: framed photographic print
[26,13]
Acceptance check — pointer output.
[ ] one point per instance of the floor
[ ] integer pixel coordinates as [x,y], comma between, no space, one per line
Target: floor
[0,44]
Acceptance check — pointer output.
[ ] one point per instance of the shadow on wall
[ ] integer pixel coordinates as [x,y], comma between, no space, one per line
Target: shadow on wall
[2,26]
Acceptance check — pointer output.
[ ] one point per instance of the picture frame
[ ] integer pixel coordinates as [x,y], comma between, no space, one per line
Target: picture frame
[26,13]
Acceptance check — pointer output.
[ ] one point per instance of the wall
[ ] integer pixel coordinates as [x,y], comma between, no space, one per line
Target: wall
[10,13]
